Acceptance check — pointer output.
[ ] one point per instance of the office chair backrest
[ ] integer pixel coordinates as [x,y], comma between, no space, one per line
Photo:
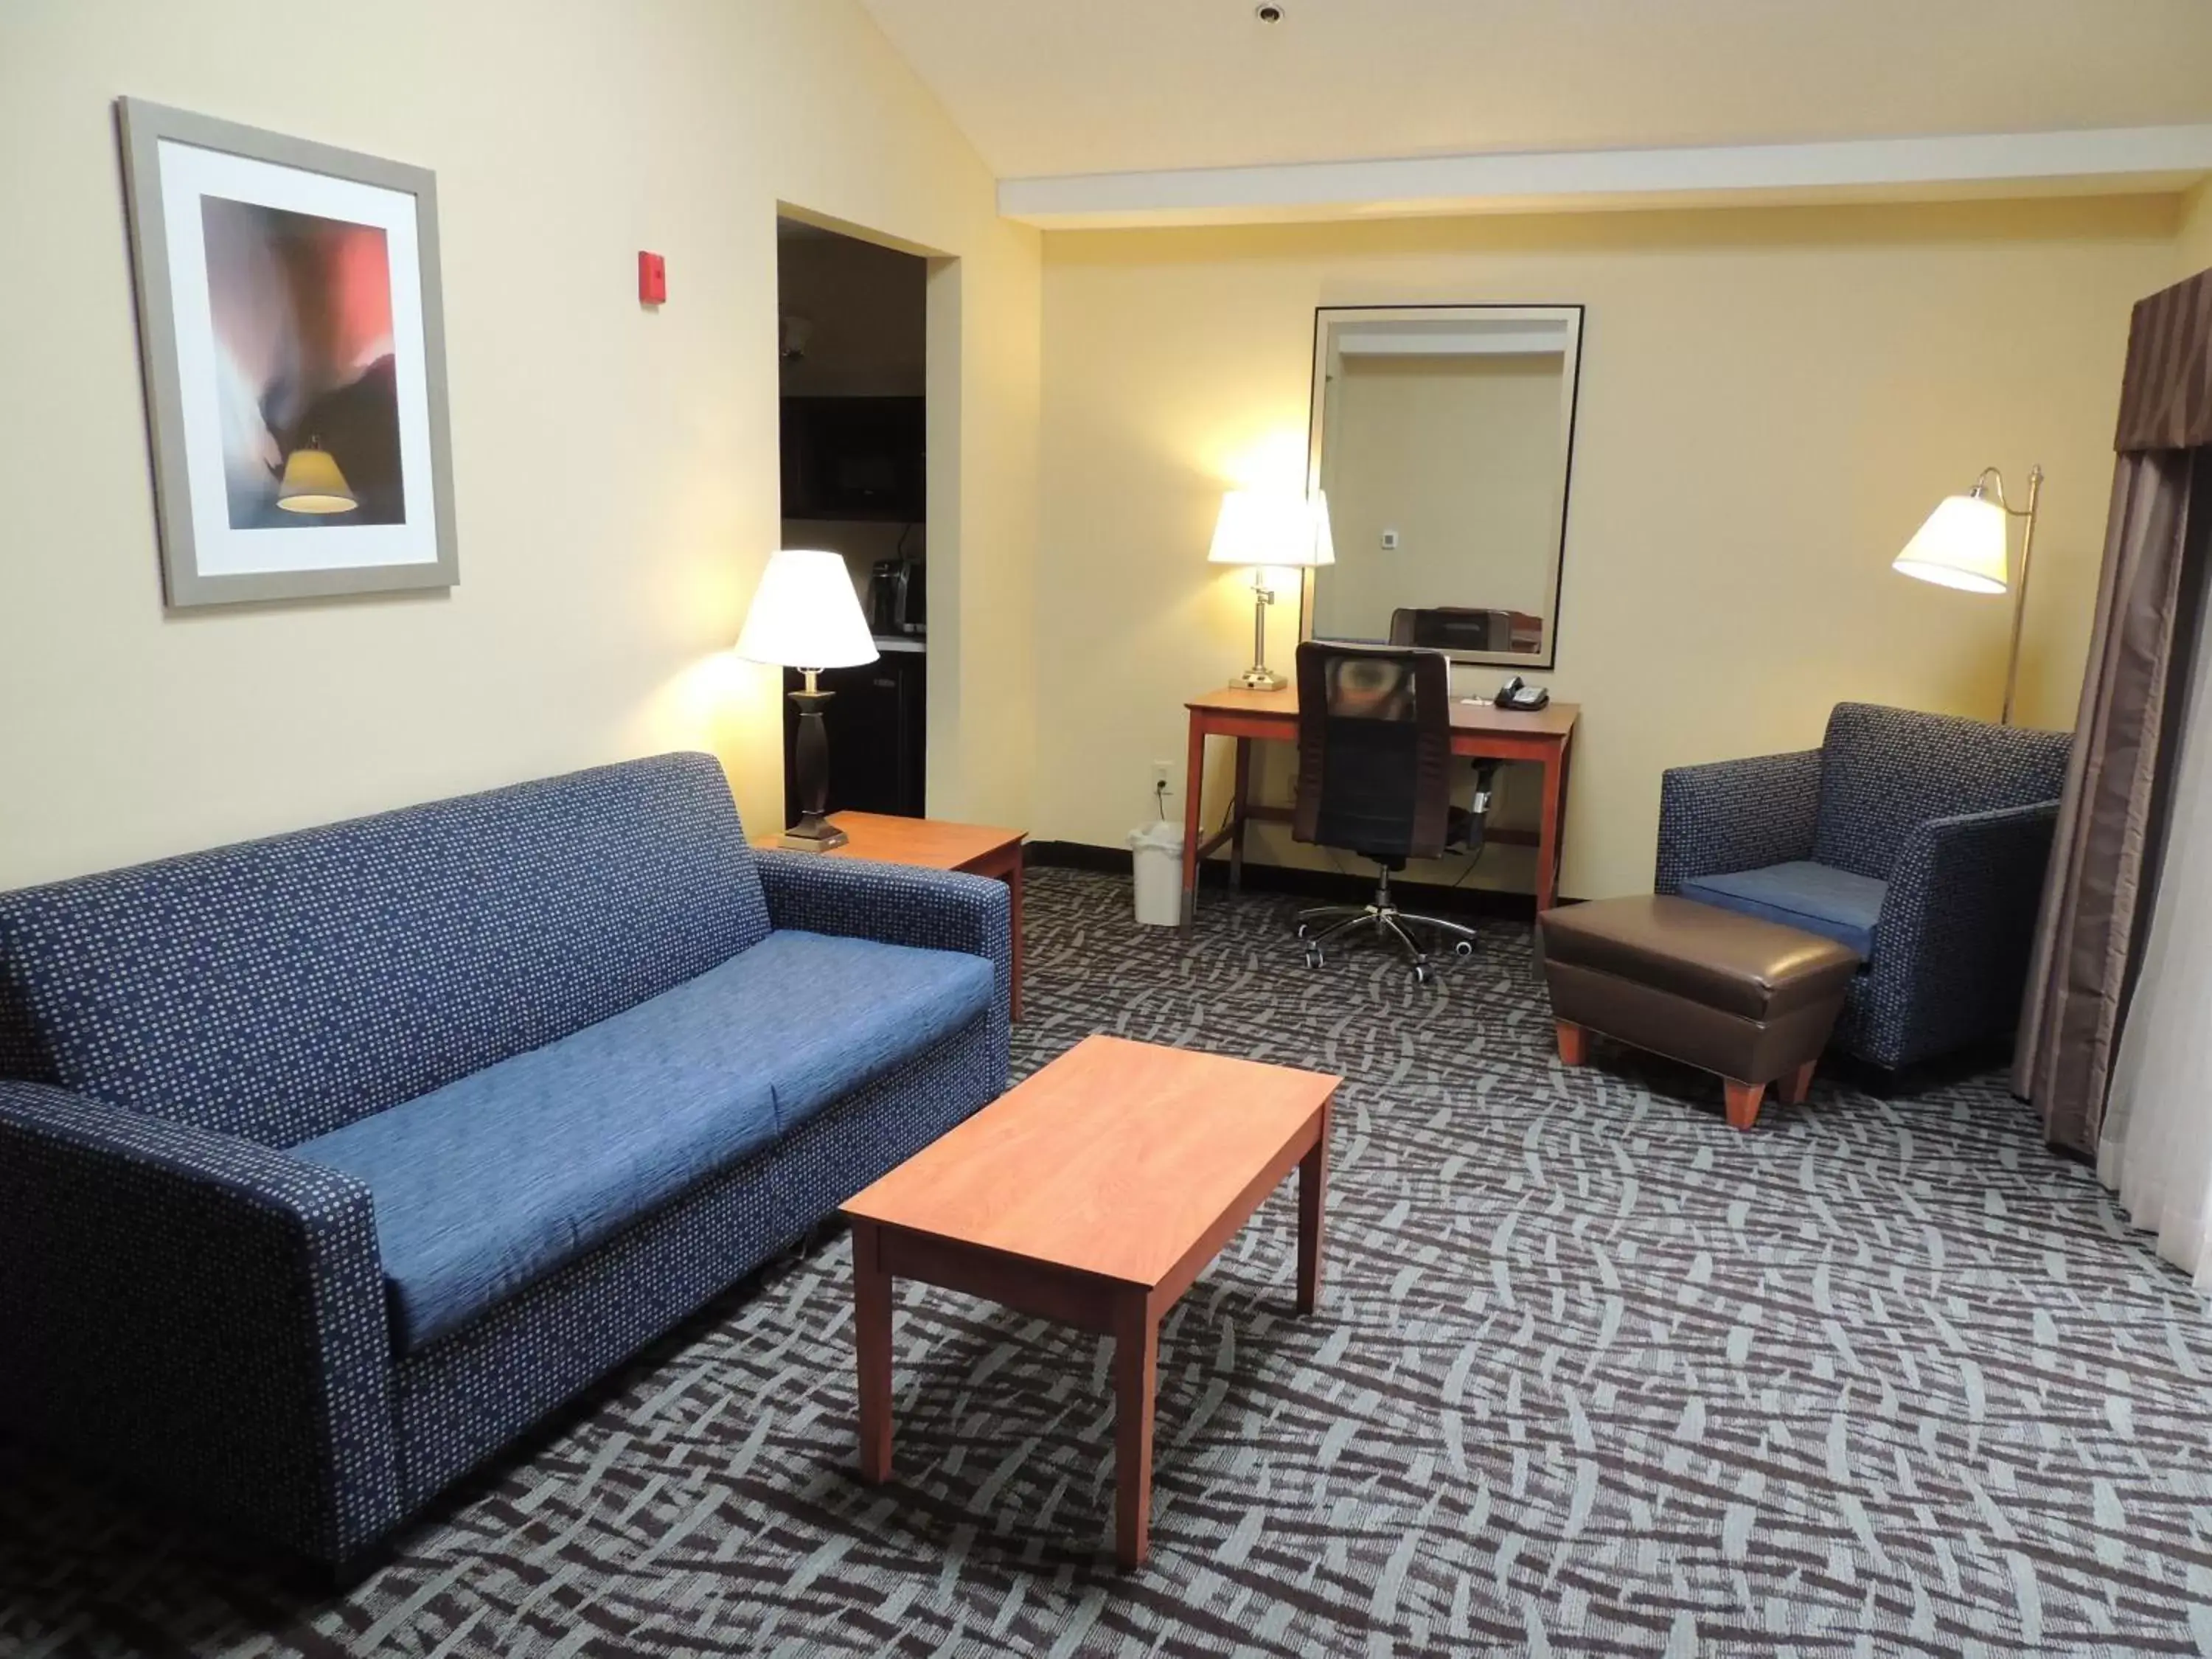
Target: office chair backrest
[1374,749]
[1452,628]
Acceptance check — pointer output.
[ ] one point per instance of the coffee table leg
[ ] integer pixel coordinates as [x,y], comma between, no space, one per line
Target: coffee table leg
[872,1342]
[1313,1191]
[1136,1360]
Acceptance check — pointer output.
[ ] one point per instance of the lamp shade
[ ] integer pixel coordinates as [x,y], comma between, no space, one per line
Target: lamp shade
[1254,527]
[806,615]
[1962,545]
[313,484]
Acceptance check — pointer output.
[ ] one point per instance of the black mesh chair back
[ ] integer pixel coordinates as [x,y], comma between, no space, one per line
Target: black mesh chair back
[1374,750]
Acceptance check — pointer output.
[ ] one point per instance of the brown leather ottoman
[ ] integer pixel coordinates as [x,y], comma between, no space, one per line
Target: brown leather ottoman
[1752,1000]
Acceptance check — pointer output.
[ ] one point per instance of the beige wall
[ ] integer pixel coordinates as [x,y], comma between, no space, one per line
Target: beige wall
[615,469]
[2195,239]
[1461,456]
[1772,401]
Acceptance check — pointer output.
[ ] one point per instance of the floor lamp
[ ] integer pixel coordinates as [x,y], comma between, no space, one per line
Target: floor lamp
[1962,545]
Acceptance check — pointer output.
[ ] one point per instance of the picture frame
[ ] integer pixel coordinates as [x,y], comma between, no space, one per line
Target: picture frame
[292,338]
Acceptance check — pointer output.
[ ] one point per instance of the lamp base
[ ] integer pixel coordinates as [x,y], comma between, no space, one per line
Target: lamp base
[1261,677]
[813,834]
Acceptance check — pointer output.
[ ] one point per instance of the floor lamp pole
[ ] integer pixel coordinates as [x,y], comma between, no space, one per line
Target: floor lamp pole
[2019,595]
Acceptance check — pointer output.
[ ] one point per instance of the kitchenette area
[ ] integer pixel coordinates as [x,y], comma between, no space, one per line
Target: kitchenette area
[853,434]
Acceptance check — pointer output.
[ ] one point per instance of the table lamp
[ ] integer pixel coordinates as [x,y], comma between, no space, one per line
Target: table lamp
[806,615]
[1284,531]
[1962,545]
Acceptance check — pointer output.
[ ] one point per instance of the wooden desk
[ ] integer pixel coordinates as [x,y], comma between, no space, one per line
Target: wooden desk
[935,844]
[1479,731]
[1092,1195]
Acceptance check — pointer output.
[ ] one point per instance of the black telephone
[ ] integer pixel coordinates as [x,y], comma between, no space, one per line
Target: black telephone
[1517,694]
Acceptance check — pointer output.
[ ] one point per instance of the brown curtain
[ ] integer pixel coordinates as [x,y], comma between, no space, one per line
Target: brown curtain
[2108,825]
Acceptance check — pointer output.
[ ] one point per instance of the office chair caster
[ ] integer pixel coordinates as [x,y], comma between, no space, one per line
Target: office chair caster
[1464,948]
[1314,957]
[1420,973]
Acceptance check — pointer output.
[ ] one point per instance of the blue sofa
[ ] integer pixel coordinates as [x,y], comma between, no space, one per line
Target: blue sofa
[1919,840]
[330,1163]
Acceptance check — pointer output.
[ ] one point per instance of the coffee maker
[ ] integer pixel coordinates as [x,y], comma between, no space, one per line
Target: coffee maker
[896,603]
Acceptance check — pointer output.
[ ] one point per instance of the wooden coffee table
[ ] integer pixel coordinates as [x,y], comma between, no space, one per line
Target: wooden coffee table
[1093,1193]
[978,849]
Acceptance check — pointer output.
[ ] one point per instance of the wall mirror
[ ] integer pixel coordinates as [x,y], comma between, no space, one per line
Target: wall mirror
[1443,436]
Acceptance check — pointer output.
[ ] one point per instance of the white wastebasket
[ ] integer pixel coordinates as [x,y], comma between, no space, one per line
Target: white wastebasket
[1156,853]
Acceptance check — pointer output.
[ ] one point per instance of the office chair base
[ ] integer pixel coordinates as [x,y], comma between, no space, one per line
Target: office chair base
[1325,922]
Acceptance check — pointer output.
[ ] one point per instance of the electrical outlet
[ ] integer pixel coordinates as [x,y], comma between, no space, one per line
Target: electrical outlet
[1163,778]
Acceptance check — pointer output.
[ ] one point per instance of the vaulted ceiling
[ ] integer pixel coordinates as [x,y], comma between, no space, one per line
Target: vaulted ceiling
[1058,87]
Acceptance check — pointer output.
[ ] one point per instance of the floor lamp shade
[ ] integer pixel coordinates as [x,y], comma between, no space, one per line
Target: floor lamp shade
[806,615]
[1962,545]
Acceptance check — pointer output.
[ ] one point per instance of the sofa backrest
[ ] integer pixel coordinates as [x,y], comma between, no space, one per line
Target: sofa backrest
[1885,770]
[282,988]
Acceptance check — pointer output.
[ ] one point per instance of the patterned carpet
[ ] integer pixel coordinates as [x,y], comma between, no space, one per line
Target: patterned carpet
[1592,1374]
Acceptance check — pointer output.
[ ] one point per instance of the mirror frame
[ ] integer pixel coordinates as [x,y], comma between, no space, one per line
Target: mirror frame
[1573,316]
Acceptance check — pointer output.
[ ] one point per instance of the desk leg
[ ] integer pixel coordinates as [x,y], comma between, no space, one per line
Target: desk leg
[872,1343]
[1136,1361]
[1547,831]
[1194,784]
[1240,810]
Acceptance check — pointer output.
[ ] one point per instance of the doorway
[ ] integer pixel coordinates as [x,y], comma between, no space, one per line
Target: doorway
[852,345]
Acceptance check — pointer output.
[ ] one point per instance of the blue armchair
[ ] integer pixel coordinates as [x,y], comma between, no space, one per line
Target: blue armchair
[1919,840]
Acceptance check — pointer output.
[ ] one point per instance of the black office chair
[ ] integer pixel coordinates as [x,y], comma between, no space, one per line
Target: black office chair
[1375,778]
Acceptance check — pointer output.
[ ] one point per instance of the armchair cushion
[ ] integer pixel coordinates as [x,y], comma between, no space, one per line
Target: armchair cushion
[1815,898]
[494,1182]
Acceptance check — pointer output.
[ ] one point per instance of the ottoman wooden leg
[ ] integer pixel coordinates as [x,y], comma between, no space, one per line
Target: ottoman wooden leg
[1743,1100]
[1574,1043]
[1795,1084]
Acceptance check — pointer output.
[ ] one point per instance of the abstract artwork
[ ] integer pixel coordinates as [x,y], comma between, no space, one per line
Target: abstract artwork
[295,360]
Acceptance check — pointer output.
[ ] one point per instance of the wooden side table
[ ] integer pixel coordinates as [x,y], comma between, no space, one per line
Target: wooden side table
[976,849]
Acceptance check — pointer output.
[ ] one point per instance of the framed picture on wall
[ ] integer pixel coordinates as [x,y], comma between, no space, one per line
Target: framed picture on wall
[295,355]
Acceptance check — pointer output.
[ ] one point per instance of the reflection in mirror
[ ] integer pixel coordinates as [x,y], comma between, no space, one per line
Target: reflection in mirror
[1442,436]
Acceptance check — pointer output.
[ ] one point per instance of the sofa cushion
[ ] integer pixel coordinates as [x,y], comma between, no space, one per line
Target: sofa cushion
[282,988]
[1815,897]
[492,1181]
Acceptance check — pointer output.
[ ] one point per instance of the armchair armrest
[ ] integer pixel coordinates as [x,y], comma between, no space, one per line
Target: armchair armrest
[200,1315]
[1958,927]
[895,903]
[1735,815]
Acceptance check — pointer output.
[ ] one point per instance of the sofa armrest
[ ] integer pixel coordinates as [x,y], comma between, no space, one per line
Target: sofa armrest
[1735,815]
[1957,929]
[200,1315]
[895,903]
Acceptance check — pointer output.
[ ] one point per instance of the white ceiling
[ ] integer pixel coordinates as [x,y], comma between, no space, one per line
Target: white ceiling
[1058,87]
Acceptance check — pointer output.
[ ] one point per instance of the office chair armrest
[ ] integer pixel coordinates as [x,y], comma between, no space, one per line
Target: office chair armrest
[1735,815]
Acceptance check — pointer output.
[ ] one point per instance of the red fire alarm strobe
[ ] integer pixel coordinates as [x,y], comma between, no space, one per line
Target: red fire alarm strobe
[651,279]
